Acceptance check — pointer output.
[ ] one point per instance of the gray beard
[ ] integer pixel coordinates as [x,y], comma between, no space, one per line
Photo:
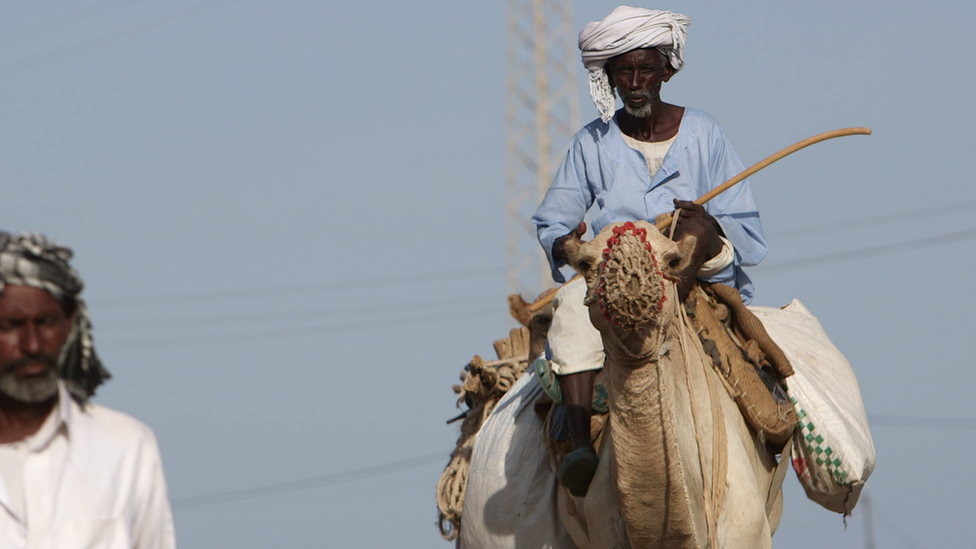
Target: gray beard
[29,391]
[642,112]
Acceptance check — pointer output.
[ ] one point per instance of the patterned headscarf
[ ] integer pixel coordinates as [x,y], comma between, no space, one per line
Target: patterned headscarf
[627,29]
[31,259]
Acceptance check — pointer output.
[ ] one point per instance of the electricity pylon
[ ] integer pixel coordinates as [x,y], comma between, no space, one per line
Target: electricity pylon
[542,114]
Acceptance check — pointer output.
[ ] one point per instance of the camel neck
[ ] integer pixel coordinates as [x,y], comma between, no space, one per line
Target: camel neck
[650,472]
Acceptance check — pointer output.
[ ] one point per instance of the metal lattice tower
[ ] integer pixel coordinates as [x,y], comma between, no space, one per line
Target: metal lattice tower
[542,114]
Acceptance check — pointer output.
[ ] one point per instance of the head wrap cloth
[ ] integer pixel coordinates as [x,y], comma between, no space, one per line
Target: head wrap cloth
[627,29]
[31,259]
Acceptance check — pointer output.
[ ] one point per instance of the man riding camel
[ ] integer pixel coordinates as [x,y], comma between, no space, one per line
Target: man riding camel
[647,159]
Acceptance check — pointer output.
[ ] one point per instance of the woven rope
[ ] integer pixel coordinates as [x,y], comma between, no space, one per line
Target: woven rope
[483,384]
[751,327]
[737,363]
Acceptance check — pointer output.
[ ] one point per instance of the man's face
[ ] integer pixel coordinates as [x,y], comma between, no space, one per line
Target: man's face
[33,329]
[638,75]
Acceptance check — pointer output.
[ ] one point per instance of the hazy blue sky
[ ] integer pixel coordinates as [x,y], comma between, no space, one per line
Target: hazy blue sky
[290,219]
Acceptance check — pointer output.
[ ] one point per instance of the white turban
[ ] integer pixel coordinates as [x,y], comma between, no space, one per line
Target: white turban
[627,29]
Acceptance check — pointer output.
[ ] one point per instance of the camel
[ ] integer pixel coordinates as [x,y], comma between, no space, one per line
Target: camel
[679,465]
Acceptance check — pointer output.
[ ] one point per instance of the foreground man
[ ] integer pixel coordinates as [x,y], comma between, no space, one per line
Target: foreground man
[645,160]
[72,473]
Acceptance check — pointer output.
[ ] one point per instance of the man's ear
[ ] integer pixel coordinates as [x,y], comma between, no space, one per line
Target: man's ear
[668,71]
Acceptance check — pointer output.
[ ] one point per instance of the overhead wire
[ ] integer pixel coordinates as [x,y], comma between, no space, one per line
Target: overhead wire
[59,21]
[260,317]
[93,43]
[310,482]
[282,290]
[900,535]
[869,252]
[427,459]
[345,285]
[300,331]
[826,259]
[962,424]
[400,279]
[852,224]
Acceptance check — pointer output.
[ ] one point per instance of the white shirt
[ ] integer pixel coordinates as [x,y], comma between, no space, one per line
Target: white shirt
[94,480]
[14,455]
[653,151]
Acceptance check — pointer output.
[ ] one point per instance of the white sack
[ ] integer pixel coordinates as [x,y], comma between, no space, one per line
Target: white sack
[510,501]
[833,454]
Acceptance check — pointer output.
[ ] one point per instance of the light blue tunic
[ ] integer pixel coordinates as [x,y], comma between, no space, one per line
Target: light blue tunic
[600,167]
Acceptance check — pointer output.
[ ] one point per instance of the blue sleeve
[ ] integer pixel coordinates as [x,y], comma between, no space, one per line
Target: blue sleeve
[737,213]
[564,206]
[735,209]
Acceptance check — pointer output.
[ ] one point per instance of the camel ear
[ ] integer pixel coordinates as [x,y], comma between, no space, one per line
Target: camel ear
[677,259]
[519,309]
[582,258]
[572,249]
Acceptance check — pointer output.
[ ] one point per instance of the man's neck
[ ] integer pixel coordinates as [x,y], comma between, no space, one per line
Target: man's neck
[19,420]
[661,125]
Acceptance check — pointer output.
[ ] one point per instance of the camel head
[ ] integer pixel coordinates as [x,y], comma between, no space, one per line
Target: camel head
[628,267]
[537,320]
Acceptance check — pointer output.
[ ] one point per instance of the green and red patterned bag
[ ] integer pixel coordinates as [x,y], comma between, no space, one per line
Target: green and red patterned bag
[833,453]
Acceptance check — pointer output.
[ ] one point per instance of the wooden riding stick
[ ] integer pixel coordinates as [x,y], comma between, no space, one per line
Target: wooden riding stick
[545,300]
[769,160]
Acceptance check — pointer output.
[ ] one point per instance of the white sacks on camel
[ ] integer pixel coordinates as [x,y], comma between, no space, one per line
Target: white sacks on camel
[833,453]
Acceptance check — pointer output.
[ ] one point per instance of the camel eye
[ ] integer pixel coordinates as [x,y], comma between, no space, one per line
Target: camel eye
[584,265]
[674,262]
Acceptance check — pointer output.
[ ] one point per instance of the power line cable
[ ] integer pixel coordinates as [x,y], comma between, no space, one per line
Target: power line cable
[902,537]
[278,291]
[922,213]
[56,22]
[872,251]
[226,319]
[88,45]
[370,323]
[311,482]
[965,424]
[301,331]
[419,461]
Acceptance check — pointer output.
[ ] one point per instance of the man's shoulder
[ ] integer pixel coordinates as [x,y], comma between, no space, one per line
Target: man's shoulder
[701,119]
[593,132]
[106,425]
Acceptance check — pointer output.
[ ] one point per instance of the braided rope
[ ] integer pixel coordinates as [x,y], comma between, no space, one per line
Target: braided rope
[738,363]
[752,328]
[483,384]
